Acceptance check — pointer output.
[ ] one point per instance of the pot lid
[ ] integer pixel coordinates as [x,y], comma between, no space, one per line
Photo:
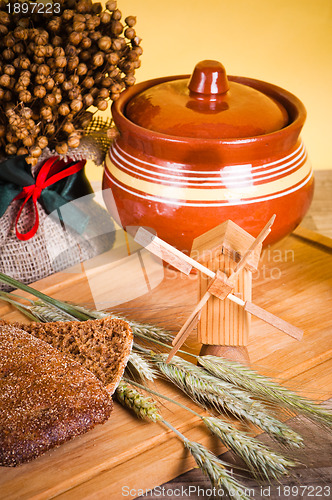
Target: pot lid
[206,105]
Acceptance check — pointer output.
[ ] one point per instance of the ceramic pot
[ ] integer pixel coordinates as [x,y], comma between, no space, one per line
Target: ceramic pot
[195,151]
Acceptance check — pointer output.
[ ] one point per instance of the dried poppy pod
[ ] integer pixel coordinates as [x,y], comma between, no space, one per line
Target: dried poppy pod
[40,51]
[82,69]
[3,30]
[9,40]
[22,151]
[24,80]
[43,69]
[59,77]
[85,42]
[67,14]
[42,141]
[67,85]
[11,137]
[74,79]
[9,69]
[19,48]
[31,161]
[58,95]
[58,52]
[41,38]
[54,24]
[28,141]
[88,82]
[68,127]
[8,54]
[64,109]
[25,96]
[35,151]
[76,105]
[74,140]
[105,43]
[5,80]
[88,100]
[39,91]
[130,21]
[49,84]
[11,149]
[98,59]
[62,148]
[75,93]
[73,62]
[75,37]
[56,41]
[22,133]
[86,118]
[40,79]
[111,5]
[84,6]
[101,104]
[46,113]
[26,112]
[21,33]
[60,62]
[50,100]
[49,129]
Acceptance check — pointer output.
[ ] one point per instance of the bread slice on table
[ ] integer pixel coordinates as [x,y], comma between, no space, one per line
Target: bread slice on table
[46,397]
[102,346]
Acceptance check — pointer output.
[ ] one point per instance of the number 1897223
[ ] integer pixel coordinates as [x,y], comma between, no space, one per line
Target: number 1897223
[33,8]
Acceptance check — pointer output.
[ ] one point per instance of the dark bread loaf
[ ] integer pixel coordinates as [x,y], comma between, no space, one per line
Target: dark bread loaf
[102,345]
[46,398]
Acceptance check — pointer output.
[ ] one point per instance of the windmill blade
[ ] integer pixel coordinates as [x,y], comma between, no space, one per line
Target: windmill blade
[168,253]
[273,320]
[196,311]
[163,250]
[184,335]
[260,238]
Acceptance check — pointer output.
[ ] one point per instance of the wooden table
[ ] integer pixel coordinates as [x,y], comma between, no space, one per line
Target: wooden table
[296,286]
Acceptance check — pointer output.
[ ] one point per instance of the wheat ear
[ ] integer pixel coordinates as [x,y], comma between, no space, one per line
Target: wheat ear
[209,391]
[138,366]
[213,467]
[264,387]
[261,460]
[146,408]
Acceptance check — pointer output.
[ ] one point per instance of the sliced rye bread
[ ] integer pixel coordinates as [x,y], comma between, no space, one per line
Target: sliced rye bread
[46,397]
[102,346]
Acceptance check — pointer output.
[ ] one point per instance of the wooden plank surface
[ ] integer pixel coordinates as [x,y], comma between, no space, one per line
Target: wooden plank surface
[294,281]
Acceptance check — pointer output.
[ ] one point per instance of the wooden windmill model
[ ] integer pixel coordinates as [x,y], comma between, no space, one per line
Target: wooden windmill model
[225,257]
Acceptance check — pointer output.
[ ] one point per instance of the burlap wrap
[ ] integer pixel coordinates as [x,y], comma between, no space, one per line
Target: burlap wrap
[55,246]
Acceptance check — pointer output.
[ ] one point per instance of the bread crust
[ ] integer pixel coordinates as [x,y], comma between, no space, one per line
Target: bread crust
[46,397]
[102,345]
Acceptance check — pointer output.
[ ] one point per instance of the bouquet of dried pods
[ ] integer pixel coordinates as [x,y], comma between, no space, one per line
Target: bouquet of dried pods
[57,69]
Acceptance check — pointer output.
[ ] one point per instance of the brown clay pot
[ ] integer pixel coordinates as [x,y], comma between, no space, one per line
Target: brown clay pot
[195,151]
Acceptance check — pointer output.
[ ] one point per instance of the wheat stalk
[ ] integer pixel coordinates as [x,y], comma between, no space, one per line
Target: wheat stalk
[264,387]
[146,408]
[209,392]
[142,406]
[213,467]
[138,365]
[262,461]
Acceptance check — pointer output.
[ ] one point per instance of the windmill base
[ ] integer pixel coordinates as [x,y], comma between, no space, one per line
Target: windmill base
[238,353]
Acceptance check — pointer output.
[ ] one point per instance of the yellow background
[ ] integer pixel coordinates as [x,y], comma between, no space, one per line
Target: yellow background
[285,42]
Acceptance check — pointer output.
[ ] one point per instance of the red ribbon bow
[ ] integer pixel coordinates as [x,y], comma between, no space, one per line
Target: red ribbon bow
[34,190]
